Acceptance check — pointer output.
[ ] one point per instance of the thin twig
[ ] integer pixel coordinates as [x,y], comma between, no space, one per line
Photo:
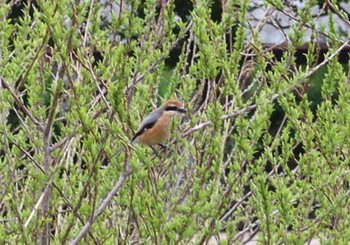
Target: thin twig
[325,61]
[273,97]
[22,107]
[38,203]
[239,202]
[126,173]
[155,64]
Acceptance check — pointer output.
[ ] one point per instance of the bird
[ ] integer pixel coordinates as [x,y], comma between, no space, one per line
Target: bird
[155,128]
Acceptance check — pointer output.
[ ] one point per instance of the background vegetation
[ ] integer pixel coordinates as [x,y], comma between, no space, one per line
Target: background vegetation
[263,150]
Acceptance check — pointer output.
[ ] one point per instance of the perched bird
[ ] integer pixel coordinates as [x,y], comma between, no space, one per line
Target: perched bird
[155,128]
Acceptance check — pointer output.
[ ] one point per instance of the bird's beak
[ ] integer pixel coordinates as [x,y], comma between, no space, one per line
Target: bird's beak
[181,110]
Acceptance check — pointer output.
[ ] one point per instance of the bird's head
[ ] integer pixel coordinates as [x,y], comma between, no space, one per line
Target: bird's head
[173,107]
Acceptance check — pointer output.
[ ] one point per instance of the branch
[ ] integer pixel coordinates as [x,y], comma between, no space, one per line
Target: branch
[155,64]
[126,173]
[273,97]
[239,202]
[224,117]
[309,25]
[337,10]
[47,194]
[38,203]
[65,198]
[21,106]
[21,78]
[325,61]
[51,116]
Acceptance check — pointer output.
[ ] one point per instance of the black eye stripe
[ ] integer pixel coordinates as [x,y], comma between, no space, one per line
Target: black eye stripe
[171,108]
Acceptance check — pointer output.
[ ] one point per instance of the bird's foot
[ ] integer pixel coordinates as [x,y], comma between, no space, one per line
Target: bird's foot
[164,147]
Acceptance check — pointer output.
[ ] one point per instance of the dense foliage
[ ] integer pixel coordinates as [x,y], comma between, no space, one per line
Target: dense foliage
[254,156]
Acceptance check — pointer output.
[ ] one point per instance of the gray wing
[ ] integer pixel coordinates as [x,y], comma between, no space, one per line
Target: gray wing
[148,122]
[151,118]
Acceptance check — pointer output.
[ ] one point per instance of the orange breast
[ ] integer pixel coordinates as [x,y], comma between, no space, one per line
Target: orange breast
[158,134]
